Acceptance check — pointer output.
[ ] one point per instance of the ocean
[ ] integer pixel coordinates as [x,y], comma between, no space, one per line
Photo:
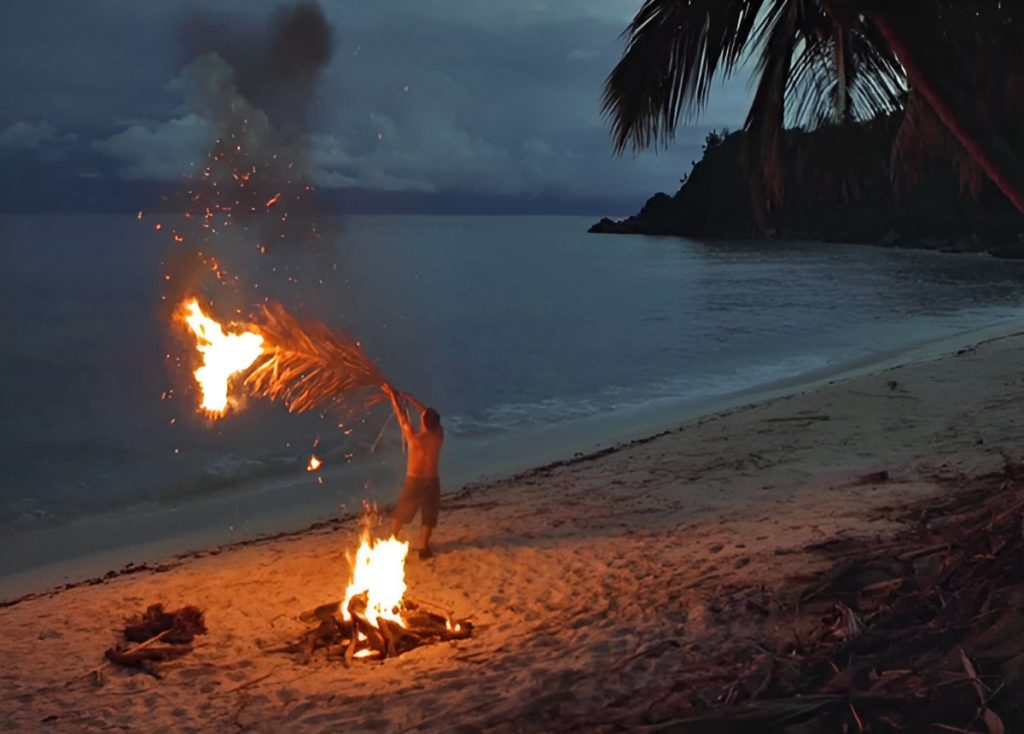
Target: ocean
[532,338]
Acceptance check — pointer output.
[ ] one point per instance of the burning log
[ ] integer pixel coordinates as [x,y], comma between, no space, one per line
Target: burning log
[383,638]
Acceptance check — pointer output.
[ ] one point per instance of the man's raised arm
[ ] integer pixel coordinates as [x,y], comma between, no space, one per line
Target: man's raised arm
[400,412]
[420,407]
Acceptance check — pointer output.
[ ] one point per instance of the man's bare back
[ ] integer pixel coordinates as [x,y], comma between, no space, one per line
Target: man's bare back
[421,491]
[424,452]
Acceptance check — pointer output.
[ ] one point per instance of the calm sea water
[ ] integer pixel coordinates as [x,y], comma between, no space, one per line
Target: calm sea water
[511,327]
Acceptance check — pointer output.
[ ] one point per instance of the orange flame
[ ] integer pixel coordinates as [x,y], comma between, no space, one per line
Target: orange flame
[224,355]
[314,463]
[379,570]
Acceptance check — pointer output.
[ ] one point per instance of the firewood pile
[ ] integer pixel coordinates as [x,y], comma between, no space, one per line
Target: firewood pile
[357,639]
[174,631]
[923,632]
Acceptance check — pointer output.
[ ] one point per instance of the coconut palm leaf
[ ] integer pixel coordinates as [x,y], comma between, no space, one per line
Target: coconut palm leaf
[920,137]
[777,36]
[674,49]
[305,365]
[874,80]
[806,59]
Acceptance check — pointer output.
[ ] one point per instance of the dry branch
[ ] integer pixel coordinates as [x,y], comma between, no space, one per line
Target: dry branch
[176,629]
[307,366]
[383,640]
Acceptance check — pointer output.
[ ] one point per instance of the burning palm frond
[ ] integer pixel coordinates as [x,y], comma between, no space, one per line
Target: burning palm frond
[305,365]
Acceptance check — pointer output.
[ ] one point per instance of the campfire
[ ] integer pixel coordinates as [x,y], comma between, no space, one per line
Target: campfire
[376,620]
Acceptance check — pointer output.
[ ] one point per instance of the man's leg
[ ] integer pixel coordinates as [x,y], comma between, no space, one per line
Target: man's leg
[405,508]
[428,515]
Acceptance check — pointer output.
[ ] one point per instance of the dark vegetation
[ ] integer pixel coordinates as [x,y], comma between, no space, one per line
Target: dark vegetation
[905,118]
[840,186]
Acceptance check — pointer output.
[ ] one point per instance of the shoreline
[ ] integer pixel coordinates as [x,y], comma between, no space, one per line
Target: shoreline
[590,439]
[619,589]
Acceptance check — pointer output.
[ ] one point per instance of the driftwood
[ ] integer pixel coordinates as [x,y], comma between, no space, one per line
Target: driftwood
[181,625]
[175,630]
[356,638]
[136,657]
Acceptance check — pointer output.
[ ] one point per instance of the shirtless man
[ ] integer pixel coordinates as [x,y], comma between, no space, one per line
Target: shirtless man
[422,488]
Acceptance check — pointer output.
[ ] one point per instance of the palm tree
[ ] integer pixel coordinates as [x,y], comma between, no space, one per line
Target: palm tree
[963,58]
[816,60]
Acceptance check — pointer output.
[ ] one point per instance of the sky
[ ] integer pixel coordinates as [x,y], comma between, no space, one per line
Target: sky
[432,99]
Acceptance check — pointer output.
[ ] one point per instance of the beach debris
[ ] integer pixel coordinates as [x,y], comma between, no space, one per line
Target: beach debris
[875,477]
[921,631]
[174,630]
[181,625]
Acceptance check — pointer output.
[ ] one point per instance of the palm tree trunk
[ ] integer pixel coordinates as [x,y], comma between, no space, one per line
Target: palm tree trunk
[983,143]
[842,93]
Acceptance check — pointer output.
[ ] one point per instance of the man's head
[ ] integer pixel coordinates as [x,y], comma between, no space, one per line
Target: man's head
[431,419]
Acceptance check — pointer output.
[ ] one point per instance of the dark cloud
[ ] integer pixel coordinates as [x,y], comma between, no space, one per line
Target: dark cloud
[41,137]
[274,66]
[420,97]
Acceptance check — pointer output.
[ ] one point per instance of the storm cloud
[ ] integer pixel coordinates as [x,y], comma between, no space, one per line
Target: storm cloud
[500,98]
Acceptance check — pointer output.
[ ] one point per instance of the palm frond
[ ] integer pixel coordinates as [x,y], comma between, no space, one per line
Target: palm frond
[875,81]
[777,36]
[920,137]
[674,50]
[306,366]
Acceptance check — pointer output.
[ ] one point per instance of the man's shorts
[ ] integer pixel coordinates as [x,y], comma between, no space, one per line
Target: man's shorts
[419,493]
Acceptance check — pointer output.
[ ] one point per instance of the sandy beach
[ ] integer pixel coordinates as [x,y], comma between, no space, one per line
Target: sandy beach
[606,590]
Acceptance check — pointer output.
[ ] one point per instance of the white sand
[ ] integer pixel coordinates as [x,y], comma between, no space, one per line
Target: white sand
[599,588]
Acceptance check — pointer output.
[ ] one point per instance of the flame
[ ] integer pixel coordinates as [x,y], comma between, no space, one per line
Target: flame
[379,570]
[223,356]
[314,463]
